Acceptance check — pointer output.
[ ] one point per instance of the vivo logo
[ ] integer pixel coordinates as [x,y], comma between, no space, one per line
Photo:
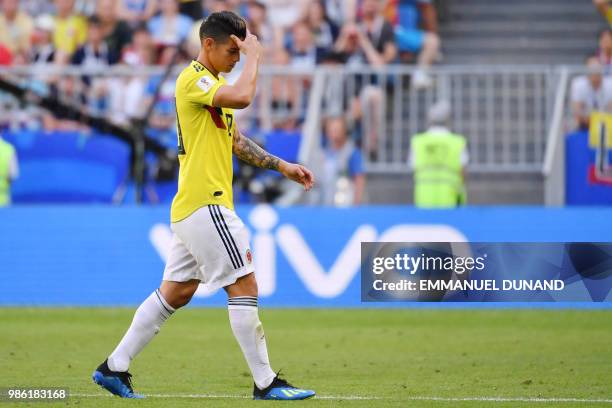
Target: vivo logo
[269,237]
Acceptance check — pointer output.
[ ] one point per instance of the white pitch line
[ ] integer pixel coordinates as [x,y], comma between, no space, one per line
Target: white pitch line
[368,398]
[510,399]
[220,396]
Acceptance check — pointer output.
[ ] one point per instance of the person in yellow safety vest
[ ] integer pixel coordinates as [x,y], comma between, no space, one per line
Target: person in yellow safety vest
[438,158]
[9,171]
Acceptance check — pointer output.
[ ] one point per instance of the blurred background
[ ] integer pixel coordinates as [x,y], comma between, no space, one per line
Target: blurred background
[467,119]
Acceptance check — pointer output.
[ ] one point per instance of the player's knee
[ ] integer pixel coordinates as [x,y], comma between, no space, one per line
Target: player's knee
[244,286]
[181,299]
[248,285]
[178,295]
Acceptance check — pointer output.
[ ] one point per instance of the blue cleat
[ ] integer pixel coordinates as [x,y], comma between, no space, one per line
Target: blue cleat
[118,383]
[281,390]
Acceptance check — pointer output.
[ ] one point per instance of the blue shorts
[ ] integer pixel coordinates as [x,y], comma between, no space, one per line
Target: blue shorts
[409,39]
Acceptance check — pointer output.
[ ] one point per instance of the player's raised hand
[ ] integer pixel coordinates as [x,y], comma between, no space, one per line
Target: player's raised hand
[299,174]
[250,45]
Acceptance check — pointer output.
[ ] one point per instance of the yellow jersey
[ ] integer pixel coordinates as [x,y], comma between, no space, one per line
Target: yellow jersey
[69,33]
[205,139]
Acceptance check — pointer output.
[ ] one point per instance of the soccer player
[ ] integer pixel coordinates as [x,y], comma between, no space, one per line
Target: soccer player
[210,244]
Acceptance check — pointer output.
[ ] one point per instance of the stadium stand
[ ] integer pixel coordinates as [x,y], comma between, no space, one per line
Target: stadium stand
[518,32]
[500,101]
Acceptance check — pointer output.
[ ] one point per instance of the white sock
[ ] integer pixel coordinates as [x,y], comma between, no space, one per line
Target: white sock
[249,332]
[149,317]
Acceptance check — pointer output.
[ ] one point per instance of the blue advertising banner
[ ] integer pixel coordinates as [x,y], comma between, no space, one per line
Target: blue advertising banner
[304,256]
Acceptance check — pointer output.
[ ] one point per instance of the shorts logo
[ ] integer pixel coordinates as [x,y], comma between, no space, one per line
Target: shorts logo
[249,257]
[205,83]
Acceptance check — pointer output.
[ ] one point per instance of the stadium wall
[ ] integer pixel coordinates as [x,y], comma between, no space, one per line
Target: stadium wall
[304,256]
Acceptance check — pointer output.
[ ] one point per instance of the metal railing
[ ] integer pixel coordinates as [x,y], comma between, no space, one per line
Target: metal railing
[553,167]
[121,94]
[509,114]
[503,112]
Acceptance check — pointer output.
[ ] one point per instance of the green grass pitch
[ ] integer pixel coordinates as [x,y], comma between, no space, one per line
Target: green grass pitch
[352,358]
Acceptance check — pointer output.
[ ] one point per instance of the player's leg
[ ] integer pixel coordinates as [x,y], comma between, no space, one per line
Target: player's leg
[179,284]
[149,318]
[178,294]
[248,330]
[219,242]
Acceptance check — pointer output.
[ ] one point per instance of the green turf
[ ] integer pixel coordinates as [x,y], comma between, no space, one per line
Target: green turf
[394,355]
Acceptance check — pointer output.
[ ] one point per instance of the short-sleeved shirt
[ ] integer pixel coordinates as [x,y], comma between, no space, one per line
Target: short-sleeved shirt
[354,164]
[346,162]
[593,99]
[69,33]
[283,13]
[88,57]
[15,35]
[380,36]
[205,139]
[404,13]
[170,32]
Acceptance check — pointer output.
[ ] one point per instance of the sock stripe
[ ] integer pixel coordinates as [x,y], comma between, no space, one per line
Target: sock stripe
[224,239]
[161,301]
[250,302]
[242,301]
[240,261]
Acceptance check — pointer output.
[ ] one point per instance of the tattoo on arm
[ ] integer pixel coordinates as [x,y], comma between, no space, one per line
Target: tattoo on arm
[249,152]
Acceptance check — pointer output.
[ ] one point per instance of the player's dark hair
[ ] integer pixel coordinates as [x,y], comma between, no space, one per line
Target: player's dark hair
[219,26]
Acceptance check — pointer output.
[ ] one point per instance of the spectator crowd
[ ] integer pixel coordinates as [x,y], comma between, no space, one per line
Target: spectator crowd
[592,92]
[297,34]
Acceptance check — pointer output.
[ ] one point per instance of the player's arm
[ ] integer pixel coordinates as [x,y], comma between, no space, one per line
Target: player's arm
[249,152]
[240,95]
